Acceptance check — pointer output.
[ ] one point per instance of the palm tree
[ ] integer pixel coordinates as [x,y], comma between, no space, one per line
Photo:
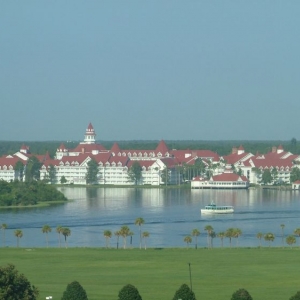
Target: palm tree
[259,236]
[46,229]
[290,240]
[59,231]
[131,234]
[3,228]
[237,233]
[196,233]
[269,237]
[230,234]
[188,240]
[208,229]
[212,235]
[107,234]
[297,232]
[18,235]
[145,235]
[140,222]
[117,234]
[221,235]
[66,232]
[282,233]
[124,231]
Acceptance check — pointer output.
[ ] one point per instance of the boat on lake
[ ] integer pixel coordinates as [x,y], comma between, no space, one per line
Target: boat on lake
[217,209]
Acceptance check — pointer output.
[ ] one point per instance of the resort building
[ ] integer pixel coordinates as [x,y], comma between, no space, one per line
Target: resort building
[204,168]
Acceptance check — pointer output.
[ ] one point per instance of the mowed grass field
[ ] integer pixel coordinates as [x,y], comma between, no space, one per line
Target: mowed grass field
[267,273]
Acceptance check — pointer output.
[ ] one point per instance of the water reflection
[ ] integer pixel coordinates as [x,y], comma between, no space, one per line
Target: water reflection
[169,215]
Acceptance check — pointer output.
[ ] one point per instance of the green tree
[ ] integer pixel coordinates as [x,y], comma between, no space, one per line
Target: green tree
[187,240]
[59,231]
[124,232]
[269,237]
[19,168]
[32,169]
[221,235]
[129,292]
[260,236]
[241,294]
[236,234]
[208,229]
[135,172]
[295,174]
[196,233]
[230,233]
[139,222]
[184,293]
[296,296]
[199,166]
[266,177]
[117,234]
[165,175]
[274,174]
[107,234]
[282,233]
[46,229]
[63,180]
[92,172]
[18,235]
[290,240]
[52,174]
[15,286]
[74,291]
[297,232]
[66,232]
[3,228]
[145,235]
[293,146]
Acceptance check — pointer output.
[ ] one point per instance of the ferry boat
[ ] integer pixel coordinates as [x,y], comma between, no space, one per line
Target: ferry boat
[217,209]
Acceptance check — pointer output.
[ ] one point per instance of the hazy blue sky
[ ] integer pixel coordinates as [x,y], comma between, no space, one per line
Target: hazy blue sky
[202,70]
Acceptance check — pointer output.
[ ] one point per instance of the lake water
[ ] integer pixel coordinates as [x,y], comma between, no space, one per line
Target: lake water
[169,216]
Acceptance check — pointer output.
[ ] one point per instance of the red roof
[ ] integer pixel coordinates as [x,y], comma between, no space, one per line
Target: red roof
[162,148]
[88,148]
[229,177]
[115,148]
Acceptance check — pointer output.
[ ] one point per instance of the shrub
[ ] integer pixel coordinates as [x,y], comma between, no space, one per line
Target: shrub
[296,297]
[184,293]
[241,294]
[74,291]
[129,292]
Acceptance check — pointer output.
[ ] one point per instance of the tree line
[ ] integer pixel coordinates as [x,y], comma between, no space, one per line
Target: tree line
[235,233]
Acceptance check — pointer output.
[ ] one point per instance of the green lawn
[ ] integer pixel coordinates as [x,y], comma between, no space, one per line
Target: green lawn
[267,273]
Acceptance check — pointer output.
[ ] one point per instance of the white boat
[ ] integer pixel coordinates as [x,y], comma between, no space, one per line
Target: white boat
[217,209]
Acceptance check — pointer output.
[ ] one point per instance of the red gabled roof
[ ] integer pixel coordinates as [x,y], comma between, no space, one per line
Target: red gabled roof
[9,161]
[115,148]
[229,177]
[162,148]
[271,162]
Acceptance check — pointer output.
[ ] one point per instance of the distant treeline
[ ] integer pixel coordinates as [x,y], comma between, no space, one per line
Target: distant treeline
[19,193]
[220,147]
